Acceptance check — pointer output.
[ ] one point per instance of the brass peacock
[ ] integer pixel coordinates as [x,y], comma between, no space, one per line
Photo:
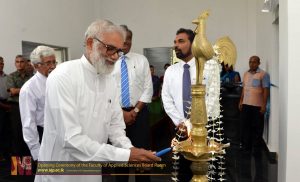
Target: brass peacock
[202,49]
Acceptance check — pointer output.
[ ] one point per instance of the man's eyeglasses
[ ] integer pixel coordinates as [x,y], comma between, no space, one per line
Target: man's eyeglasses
[110,50]
[48,63]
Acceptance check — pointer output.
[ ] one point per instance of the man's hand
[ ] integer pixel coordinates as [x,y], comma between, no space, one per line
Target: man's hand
[128,117]
[14,91]
[240,106]
[182,131]
[155,98]
[137,154]
[263,109]
[133,114]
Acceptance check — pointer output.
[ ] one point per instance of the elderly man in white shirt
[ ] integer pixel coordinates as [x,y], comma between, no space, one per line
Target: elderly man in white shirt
[32,98]
[82,110]
[133,100]
[176,90]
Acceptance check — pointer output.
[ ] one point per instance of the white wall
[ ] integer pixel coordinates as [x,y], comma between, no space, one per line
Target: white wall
[155,22]
[283,84]
[55,22]
[267,49]
[289,91]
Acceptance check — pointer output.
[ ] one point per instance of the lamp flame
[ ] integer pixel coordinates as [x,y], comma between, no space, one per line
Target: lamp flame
[188,125]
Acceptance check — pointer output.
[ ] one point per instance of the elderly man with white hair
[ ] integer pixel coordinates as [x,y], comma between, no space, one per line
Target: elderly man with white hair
[82,110]
[32,98]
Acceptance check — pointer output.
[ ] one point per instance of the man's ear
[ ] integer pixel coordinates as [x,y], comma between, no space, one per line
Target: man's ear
[89,44]
[36,66]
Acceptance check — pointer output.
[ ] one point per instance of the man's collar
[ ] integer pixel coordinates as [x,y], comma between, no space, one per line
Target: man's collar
[40,75]
[127,55]
[88,64]
[257,71]
[19,73]
[190,62]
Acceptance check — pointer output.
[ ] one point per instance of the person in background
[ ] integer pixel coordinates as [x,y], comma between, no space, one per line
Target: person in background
[228,75]
[162,77]
[133,78]
[82,110]
[156,84]
[32,98]
[14,82]
[155,107]
[29,67]
[253,102]
[4,108]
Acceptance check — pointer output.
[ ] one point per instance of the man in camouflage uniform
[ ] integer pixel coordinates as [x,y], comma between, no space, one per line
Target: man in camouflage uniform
[14,82]
[4,108]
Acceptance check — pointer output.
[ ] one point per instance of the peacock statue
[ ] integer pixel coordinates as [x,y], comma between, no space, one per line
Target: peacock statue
[203,50]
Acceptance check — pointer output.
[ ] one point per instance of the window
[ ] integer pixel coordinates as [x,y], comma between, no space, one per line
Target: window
[61,53]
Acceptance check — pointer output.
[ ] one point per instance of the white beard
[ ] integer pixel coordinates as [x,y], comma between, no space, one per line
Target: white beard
[99,62]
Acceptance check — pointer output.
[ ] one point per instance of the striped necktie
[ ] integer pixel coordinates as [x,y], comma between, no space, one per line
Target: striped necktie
[124,84]
[186,89]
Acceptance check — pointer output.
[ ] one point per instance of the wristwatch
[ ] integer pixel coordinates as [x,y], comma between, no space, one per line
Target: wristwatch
[137,110]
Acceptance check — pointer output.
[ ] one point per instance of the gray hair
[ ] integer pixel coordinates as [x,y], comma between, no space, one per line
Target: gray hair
[39,52]
[103,26]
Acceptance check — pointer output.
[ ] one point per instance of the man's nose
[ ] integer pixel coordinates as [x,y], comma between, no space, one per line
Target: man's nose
[115,56]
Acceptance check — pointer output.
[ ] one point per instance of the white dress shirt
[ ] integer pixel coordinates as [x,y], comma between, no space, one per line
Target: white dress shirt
[82,112]
[31,103]
[140,80]
[172,89]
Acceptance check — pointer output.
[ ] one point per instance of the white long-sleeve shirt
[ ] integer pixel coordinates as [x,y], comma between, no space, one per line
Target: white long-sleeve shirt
[140,80]
[82,112]
[31,103]
[172,90]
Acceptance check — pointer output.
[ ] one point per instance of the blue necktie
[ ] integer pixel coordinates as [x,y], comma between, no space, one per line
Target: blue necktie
[186,89]
[124,84]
